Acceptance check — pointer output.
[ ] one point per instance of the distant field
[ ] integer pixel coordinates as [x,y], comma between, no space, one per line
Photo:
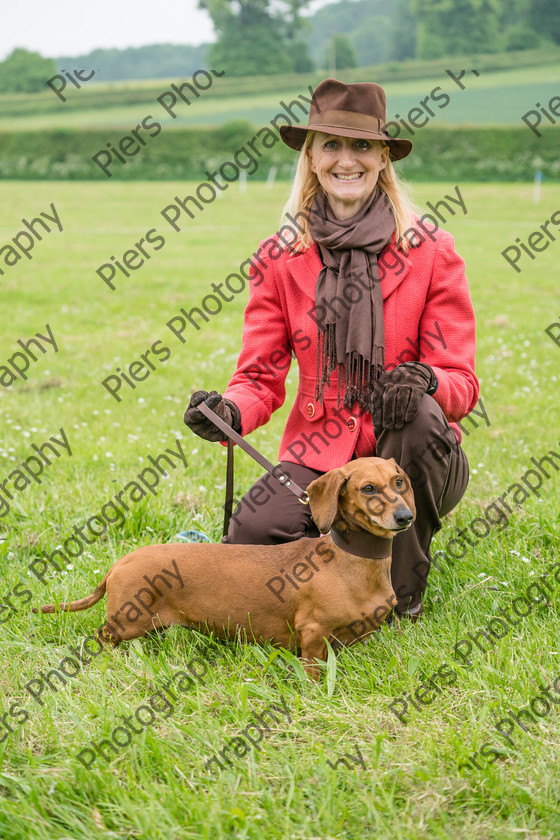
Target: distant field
[157,786]
[497,97]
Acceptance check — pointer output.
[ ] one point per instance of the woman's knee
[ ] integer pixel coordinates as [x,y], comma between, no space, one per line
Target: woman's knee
[428,421]
[274,517]
[428,435]
[245,528]
[252,529]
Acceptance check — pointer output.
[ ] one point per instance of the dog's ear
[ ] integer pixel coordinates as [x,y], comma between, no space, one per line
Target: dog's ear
[323,498]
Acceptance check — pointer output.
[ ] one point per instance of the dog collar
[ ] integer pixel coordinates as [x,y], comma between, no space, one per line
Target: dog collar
[362,544]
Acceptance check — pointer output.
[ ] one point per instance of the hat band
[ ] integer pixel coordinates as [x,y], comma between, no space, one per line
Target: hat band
[346,119]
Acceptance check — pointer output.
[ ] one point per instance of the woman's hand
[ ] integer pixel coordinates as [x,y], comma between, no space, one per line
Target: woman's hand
[398,393]
[201,425]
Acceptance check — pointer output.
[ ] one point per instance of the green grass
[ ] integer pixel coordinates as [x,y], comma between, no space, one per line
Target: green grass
[158,787]
[125,104]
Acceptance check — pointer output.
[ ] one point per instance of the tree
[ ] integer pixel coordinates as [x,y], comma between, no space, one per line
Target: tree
[545,18]
[372,41]
[362,20]
[521,37]
[25,72]
[254,39]
[341,50]
[301,60]
[456,27]
[403,31]
[249,50]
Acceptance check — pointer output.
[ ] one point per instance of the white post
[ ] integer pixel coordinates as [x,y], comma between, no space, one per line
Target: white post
[537,187]
[243,181]
[271,176]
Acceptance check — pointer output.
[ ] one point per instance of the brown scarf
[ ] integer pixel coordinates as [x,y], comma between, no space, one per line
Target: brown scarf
[352,338]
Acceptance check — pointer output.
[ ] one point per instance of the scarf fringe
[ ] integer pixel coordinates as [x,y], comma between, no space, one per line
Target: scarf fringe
[356,378]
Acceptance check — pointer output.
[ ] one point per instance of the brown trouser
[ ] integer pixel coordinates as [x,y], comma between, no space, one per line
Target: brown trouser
[426,449]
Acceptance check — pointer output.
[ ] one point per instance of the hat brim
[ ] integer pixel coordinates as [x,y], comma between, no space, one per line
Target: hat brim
[293,136]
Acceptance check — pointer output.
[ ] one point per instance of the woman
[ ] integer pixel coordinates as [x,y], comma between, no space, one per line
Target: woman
[377,311]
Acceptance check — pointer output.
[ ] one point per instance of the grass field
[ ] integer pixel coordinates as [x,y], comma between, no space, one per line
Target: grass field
[98,106]
[407,783]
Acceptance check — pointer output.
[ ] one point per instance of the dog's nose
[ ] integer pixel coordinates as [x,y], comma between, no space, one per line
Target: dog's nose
[403,517]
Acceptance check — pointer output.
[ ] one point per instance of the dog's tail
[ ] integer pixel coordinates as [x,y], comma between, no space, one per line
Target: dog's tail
[76,606]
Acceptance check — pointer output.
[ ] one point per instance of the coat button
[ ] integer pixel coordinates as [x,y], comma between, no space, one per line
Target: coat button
[310,410]
[352,423]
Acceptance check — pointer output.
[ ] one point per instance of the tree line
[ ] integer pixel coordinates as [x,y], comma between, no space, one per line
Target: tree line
[266,37]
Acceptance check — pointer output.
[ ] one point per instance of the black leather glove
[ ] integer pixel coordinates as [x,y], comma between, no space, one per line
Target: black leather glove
[398,393]
[201,425]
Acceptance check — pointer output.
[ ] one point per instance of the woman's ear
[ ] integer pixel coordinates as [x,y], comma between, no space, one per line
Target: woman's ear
[384,157]
[310,159]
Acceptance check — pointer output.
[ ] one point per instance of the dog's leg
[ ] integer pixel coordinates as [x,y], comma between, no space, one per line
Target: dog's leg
[313,646]
[107,637]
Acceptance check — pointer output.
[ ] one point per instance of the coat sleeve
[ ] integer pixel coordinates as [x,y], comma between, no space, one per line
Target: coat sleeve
[448,326]
[258,384]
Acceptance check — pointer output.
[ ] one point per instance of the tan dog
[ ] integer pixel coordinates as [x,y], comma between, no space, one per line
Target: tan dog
[294,595]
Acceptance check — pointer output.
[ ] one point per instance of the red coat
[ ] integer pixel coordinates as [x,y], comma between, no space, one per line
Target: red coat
[428,317]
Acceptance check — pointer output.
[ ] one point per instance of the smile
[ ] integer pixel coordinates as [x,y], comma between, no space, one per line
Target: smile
[353,177]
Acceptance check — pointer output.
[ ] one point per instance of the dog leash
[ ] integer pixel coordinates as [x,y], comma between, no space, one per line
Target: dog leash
[234,437]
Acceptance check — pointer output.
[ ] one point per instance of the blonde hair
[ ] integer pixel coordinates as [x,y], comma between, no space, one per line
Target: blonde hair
[306,186]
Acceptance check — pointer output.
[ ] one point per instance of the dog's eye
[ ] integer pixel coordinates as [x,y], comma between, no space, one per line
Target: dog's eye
[399,484]
[369,488]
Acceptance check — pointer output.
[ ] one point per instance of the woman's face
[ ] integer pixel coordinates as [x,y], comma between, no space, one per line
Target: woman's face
[347,169]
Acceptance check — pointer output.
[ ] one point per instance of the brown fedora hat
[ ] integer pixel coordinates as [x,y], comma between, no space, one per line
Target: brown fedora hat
[357,110]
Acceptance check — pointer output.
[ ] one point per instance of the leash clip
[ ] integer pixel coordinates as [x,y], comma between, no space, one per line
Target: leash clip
[285,480]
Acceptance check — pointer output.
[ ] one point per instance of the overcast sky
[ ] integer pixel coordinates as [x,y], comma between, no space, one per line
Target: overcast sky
[70,27]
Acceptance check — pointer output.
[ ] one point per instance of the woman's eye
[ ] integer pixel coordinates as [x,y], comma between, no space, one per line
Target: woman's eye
[363,145]
[330,144]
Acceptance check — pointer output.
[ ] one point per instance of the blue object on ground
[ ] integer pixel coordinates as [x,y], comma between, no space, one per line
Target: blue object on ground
[192,537]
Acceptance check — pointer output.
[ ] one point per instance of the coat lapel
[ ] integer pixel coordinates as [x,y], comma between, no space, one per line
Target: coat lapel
[304,270]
